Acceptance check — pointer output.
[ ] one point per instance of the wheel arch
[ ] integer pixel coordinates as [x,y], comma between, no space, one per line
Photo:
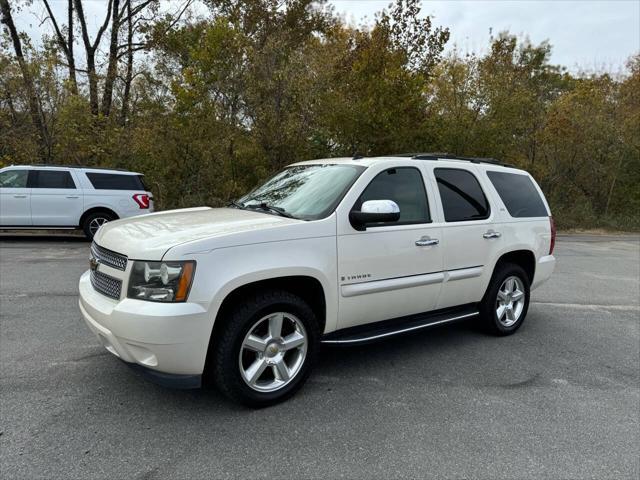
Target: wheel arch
[524,258]
[92,210]
[307,287]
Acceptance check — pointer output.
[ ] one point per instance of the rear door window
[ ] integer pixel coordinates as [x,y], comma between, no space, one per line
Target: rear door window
[115,181]
[461,194]
[50,179]
[518,194]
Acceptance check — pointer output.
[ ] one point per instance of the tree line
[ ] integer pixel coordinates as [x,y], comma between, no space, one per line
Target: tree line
[207,102]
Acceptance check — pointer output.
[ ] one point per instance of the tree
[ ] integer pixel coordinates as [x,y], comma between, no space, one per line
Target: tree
[66,44]
[35,109]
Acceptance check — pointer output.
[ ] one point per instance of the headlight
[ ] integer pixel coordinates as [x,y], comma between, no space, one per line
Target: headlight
[161,281]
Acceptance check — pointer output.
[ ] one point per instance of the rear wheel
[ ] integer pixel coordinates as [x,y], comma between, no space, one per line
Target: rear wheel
[94,221]
[505,304]
[266,348]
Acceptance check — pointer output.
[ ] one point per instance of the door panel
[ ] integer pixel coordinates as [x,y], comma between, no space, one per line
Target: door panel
[469,239]
[14,207]
[55,200]
[15,198]
[467,256]
[382,272]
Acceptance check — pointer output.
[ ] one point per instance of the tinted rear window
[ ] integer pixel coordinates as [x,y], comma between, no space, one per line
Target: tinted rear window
[50,179]
[518,194]
[461,194]
[115,181]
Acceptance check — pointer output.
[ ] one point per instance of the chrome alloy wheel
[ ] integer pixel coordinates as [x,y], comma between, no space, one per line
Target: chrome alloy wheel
[510,301]
[96,223]
[273,352]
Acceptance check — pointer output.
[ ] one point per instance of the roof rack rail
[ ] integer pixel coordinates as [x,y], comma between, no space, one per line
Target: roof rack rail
[448,156]
[45,165]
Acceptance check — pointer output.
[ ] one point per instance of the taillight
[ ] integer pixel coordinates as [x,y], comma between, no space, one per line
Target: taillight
[553,235]
[142,199]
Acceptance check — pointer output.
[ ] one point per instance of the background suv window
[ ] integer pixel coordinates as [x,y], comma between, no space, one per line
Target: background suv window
[461,194]
[519,194]
[14,179]
[405,187]
[50,179]
[115,181]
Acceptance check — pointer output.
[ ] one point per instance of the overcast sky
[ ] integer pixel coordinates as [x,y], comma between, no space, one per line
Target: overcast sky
[586,35]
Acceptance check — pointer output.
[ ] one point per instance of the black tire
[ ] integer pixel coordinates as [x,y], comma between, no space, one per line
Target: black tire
[225,357]
[93,217]
[489,304]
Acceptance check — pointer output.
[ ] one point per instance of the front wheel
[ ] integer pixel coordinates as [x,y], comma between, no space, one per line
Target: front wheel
[505,304]
[265,349]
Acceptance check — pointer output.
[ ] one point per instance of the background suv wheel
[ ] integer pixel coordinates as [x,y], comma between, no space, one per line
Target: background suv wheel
[266,348]
[94,221]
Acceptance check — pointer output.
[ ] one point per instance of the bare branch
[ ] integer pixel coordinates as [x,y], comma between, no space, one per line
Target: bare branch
[104,25]
[59,35]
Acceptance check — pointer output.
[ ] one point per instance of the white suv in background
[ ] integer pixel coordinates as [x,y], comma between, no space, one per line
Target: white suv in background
[336,251]
[58,197]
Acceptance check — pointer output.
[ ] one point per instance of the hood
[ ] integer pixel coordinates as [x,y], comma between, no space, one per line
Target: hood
[148,237]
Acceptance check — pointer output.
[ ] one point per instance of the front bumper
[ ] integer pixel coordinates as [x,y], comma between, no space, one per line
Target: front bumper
[166,341]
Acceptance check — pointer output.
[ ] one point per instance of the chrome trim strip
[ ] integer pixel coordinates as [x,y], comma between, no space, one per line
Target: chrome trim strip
[403,330]
[375,286]
[463,273]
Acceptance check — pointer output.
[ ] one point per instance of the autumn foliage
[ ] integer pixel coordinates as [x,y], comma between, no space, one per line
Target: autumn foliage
[207,104]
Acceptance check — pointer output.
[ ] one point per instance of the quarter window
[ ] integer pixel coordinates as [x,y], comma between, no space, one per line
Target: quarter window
[51,179]
[13,179]
[405,187]
[519,194]
[115,181]
[461,194]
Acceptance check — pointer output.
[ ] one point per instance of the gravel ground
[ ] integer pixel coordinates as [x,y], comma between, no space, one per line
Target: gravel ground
[560,399]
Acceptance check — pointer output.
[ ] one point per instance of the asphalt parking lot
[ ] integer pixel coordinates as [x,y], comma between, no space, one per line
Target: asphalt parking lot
[560,399]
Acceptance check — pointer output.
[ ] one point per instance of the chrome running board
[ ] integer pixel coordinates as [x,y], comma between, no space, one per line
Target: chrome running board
[397,326]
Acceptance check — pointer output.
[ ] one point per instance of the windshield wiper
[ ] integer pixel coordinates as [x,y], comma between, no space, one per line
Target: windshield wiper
[269,208]
[233,203]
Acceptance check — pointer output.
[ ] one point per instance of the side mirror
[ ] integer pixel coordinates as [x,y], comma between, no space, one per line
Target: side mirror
[374,211]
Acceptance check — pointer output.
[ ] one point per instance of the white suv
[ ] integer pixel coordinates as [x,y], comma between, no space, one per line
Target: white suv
[336,251]
[57,197]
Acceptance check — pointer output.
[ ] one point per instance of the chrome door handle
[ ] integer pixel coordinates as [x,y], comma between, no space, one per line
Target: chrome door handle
[73,196]
[426,241]
[19,196]
[492,234]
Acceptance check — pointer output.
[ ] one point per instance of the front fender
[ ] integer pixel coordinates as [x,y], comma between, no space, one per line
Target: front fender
[220,272]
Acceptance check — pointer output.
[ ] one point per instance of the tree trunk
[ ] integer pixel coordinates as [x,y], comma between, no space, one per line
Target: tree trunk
[65,45]
[107,95]
[70,58]
[613,184]
[129,75]
[90,49]
[93,81]
[37,116]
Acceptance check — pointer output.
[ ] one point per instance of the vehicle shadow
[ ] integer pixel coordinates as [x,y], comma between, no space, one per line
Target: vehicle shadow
[336,367]
[42,238]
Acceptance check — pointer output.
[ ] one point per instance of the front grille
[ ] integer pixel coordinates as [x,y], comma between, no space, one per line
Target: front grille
[106,285]
[107,257]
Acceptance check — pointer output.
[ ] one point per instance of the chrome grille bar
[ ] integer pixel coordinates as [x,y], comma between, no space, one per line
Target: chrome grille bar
[107,257]
[106,285]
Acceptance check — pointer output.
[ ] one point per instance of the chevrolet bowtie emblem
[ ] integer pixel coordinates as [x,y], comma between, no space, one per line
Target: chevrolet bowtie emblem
[93,263]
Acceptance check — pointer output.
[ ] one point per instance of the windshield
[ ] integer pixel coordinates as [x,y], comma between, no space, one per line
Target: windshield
[308,192]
